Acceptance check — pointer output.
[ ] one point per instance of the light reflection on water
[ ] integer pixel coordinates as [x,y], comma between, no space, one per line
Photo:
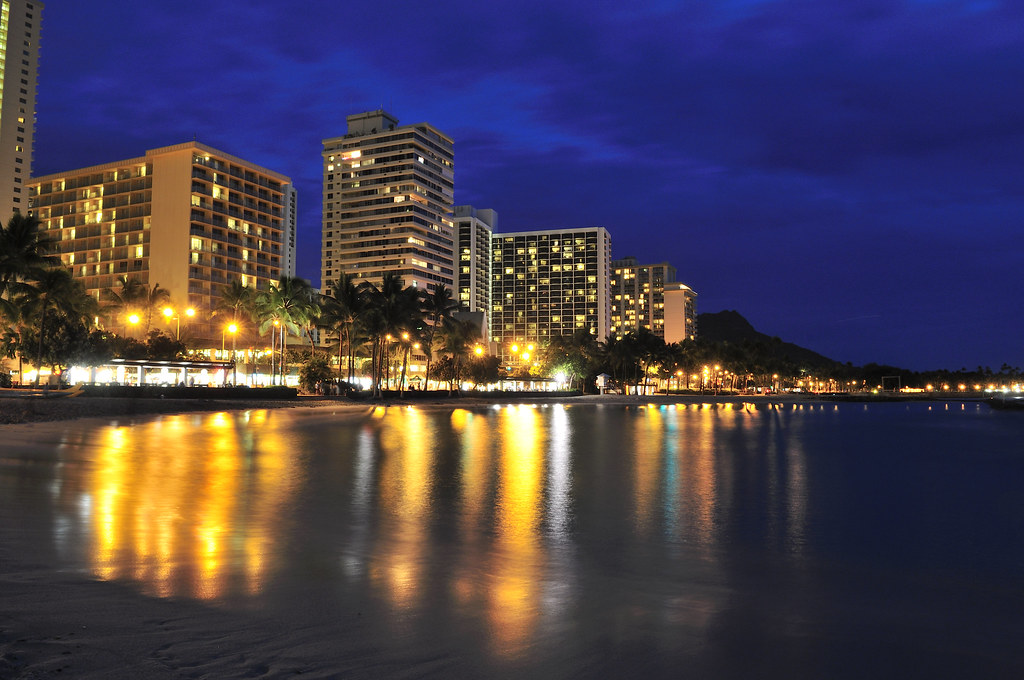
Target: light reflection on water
[541,531]
[199,506]
[185,504]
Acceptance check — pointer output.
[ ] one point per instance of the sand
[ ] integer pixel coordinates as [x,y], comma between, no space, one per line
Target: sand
[61,624]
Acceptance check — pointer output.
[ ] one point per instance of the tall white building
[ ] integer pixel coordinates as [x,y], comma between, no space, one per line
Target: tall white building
[19,61]
[387,202]
[680,312]
[473,230]
[548,283]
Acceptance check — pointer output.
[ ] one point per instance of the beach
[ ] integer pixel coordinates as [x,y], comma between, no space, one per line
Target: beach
[72,623]
[15,409]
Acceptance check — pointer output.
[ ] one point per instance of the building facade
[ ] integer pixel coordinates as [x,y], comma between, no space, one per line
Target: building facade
[637,296]
[640,298]
[473,230]
[388,193]
[19,61]
[548,283]
[680,312]
[187,217]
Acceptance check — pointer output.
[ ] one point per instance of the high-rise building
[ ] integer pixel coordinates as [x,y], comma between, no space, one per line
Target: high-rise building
[387,201]
[680,312]
[474,229]
[19,60]
[187,217]
[637,296]
[640,299]
[548,283]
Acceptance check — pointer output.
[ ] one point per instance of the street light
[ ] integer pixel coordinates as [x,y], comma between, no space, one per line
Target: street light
[171,314]
[133,319]
[233,329]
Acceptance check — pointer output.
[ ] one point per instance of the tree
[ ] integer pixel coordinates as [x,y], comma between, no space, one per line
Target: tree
[159,345]
[23,250]
[458,337]
[288,306]
[342,306]
[575,355]
[483,370]
[315,371]
[55,292]
[133,296]
[436,306]
[236,302]
[391,310]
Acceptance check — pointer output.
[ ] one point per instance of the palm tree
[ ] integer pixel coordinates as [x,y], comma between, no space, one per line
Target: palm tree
[134,296]
[458,338]
[343,305]
[55,291]
[436,306]
[392,310]
[236,300]
[23,250]
[288,305]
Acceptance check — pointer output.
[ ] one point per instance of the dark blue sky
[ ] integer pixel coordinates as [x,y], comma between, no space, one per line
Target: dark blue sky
[847,175]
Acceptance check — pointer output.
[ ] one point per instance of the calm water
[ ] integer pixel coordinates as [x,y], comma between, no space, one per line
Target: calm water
[587,541]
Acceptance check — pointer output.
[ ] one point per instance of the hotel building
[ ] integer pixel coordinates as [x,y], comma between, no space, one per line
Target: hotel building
[187,217]
[638,300]
[473,230]
[547,283]
[19,60]
[680,312]
[387,202]
[637,296]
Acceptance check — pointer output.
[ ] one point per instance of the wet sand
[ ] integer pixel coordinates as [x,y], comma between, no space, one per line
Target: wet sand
[71,624]
[16,409]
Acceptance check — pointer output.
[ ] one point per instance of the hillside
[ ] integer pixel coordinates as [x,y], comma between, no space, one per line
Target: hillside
[730,326]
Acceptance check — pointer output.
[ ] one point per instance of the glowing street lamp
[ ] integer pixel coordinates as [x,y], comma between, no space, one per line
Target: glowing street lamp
[171,314]
[133,319]
[233,329]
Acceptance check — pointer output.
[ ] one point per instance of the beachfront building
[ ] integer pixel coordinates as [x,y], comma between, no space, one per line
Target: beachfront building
[473,230]
[648,296]
[548,283]
[637,296]
[187,217]
[680,312]
[19,61]
[388,192]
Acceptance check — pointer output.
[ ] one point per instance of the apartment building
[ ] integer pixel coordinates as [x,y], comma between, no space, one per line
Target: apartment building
[547,283]
[187,217]
[640,299]
[388,192]
[680,312]
[473,229]
[19,61]
[637,296]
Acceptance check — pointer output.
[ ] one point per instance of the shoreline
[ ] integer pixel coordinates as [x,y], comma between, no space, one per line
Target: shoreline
[16,409]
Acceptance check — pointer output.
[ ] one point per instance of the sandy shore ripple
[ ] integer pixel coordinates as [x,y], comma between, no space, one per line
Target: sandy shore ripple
[17,409]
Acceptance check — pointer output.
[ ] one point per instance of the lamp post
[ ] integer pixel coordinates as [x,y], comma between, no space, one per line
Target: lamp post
[233,329]
[172,314]
[133,319]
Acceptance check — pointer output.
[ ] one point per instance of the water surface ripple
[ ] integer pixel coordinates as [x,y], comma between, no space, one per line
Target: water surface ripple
[701,540]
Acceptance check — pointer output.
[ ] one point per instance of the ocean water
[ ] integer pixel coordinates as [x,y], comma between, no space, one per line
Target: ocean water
[702,540]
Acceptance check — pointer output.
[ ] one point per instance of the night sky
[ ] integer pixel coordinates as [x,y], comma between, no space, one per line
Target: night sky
[847,175]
